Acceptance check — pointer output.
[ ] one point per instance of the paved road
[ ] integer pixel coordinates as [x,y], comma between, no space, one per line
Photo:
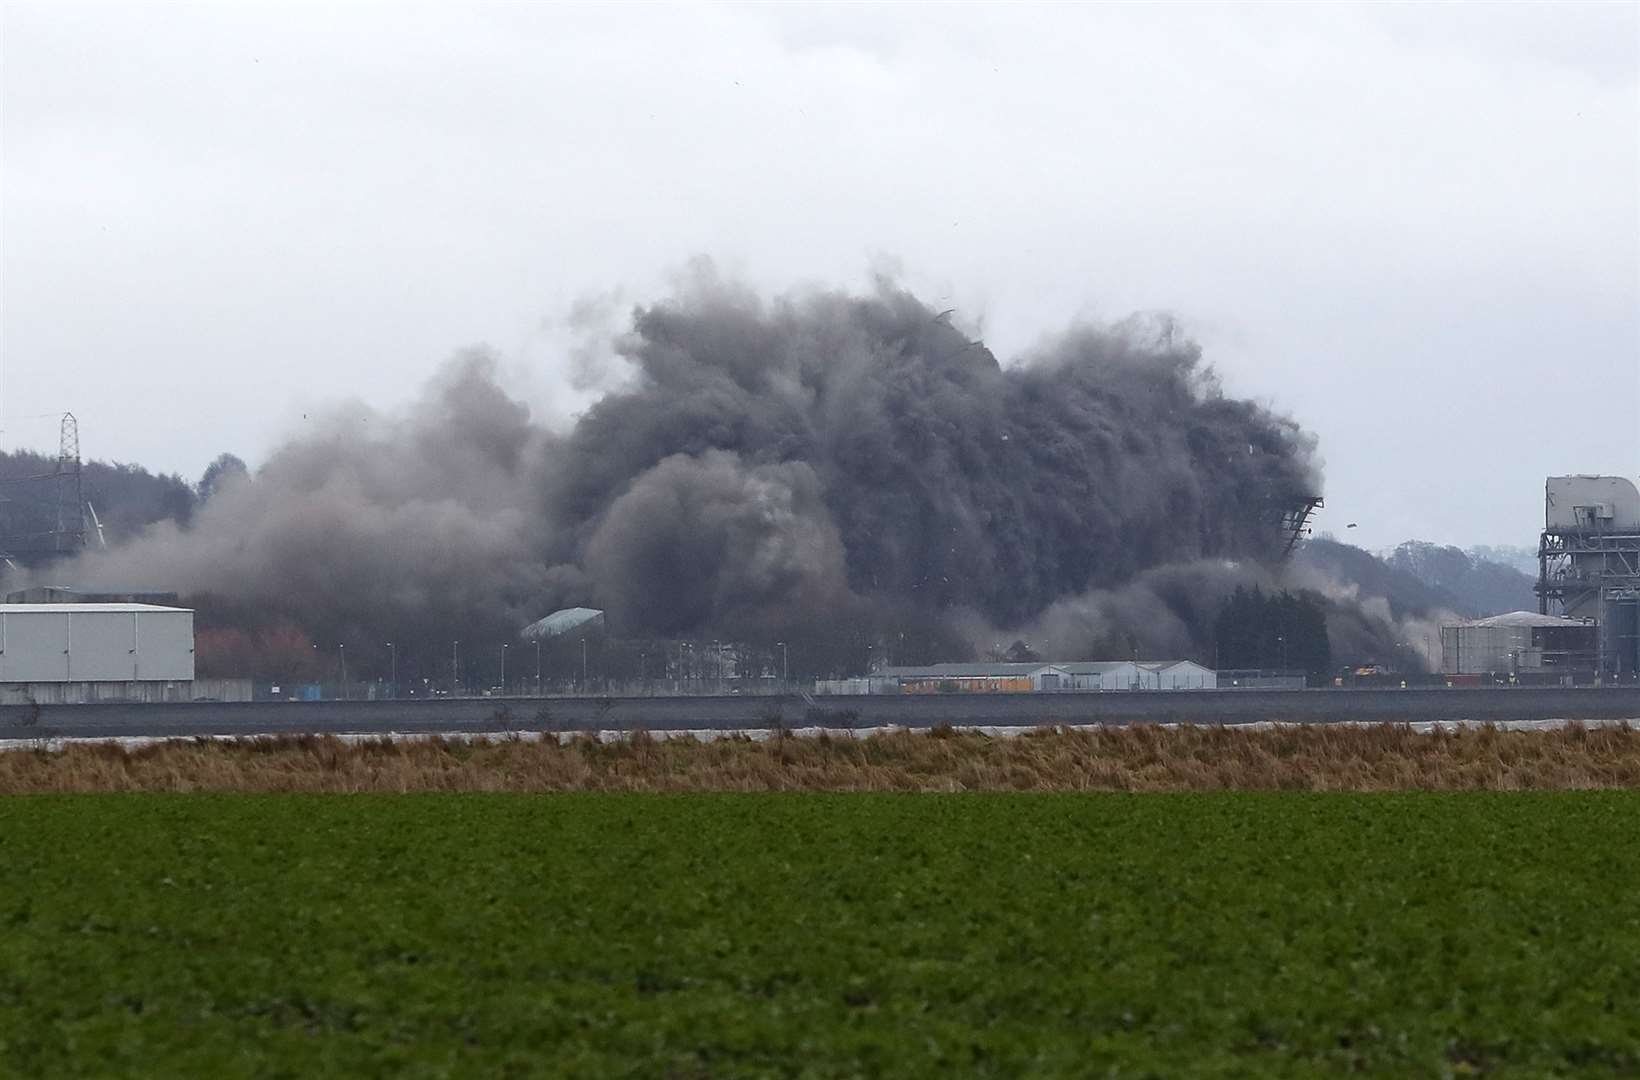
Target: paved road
[683,713]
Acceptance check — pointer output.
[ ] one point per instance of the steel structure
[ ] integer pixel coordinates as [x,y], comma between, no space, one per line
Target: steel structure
[70,487]
[1589,563]
[53,520]
[1294,521]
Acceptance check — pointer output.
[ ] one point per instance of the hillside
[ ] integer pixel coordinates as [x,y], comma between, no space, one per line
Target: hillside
[1419,577]
[126,498]
[1406,592]
[1482,586]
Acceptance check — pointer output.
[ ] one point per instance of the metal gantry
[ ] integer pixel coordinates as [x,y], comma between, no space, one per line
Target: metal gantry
[1589,568]
[1293,521]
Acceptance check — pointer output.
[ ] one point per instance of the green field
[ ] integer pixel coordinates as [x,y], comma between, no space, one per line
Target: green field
[821,935]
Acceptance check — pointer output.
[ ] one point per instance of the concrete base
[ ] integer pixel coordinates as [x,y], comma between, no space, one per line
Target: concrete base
[136,693]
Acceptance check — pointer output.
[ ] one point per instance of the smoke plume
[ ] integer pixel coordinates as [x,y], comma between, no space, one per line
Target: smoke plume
[783,466]
[367,527]
[951,480]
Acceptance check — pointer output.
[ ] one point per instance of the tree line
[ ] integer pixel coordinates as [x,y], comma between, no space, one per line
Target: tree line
[1269,631]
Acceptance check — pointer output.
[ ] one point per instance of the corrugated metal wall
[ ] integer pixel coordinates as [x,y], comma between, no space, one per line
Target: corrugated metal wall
[67,645]
[1471,650]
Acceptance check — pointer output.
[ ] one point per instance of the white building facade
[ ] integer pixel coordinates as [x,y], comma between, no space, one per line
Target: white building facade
[95,652]
[1029,678]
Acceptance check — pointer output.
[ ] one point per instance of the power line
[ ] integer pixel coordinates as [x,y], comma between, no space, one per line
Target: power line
[65,495]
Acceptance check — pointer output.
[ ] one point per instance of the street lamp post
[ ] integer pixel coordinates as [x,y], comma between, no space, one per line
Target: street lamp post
[455,668]
[537,667]
[785,670]
[503,669]
[341,651]
[394,649]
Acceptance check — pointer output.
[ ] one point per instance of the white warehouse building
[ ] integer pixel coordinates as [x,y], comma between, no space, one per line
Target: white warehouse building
[1027,678]
[62,653]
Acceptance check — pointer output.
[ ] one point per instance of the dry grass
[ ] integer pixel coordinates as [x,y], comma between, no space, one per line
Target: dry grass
[1387,758]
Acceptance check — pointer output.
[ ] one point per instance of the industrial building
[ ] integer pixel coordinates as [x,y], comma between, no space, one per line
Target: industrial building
[70,653]
[1589,565]
[1028,678]
[1521,642]
[1143,675]
[976,678]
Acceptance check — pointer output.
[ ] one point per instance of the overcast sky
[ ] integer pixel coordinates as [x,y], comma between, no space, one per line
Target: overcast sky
[1416,229]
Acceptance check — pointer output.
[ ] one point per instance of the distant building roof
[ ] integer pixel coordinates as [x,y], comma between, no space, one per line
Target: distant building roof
[563,622]
[64,594]
[1005,669]
[966,671]
[1100,667]
[71,609]
[1524,618]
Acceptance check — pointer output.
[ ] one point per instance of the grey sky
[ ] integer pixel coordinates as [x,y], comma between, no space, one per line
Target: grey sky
[1417,229]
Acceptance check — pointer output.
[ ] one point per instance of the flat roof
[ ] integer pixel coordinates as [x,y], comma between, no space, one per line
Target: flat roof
[1005,669]
[87,609]
[1524,618]
[963,671]
[1089,667]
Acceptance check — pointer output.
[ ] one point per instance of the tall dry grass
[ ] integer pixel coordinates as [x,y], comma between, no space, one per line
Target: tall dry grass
[1387,758]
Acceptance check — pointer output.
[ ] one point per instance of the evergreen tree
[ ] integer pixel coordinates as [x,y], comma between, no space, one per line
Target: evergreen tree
[1285,631]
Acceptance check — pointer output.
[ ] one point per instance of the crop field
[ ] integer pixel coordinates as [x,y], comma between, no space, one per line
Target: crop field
[709,935]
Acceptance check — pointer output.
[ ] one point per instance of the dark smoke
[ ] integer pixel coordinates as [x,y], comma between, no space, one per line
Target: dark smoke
[798,466]
[951,480]
[697,541]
